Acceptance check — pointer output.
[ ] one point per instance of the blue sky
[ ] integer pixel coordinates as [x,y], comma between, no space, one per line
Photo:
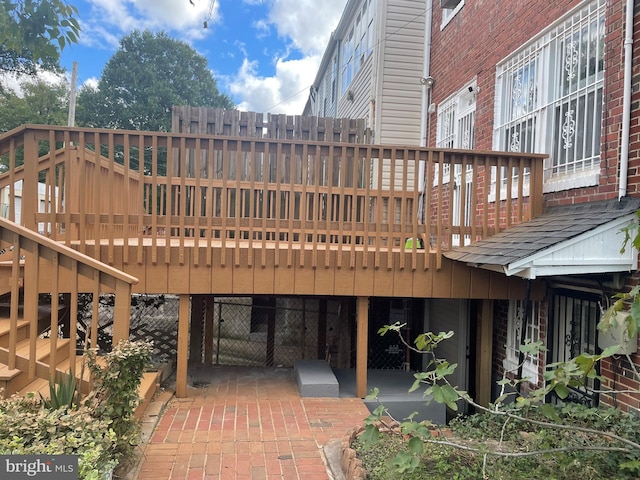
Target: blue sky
[262,52]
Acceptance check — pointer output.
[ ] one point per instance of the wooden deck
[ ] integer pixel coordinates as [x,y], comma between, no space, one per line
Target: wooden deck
[243,268]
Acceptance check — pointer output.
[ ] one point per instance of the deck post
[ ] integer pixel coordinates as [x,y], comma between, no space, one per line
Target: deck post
[30,183]
[484,348]
[362,340]
[122,313]
[183,347]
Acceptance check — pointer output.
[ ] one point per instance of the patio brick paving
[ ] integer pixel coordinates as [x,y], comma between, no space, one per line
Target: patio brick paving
[246,423]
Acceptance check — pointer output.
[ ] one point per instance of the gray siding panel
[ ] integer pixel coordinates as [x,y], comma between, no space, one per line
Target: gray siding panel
[402,60]
[361,89]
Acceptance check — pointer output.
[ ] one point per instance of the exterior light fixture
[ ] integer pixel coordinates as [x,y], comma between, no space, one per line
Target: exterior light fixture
[427,81]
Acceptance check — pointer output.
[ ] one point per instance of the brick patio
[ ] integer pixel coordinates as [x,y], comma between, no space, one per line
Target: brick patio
[246,424]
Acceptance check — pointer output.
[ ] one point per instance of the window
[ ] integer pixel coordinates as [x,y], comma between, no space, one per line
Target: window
[515,325]
[347,61]
[549,99]
[575,316]
[455,129]
[456,123]
[449,10]
[358,44]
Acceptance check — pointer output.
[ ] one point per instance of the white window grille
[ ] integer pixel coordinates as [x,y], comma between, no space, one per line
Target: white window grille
[549,99]
[515,325]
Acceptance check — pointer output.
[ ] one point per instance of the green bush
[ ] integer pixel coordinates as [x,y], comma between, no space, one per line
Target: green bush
[115,395]
[101,430]
[27,427]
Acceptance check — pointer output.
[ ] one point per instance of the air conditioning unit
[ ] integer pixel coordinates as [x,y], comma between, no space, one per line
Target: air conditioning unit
[449,3]
[617,335]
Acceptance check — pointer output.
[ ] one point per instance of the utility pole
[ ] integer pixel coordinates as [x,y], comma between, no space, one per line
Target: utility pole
[71,121]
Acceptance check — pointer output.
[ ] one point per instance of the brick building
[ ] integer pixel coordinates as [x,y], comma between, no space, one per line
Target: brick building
[558,78]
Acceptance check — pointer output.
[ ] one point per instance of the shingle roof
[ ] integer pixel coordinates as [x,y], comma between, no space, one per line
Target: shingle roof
[556,225]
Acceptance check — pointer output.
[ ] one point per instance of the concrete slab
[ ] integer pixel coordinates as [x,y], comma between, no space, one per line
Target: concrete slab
[316,379]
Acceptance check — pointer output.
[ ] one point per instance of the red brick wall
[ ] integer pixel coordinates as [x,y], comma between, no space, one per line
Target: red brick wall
[483,33]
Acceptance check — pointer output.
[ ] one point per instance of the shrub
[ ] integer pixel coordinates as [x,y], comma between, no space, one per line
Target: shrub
[115,395]
[101,430]
[27,427]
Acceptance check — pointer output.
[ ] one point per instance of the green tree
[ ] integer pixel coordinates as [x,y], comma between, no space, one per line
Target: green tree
[145,78]
[41,102]
[33,32]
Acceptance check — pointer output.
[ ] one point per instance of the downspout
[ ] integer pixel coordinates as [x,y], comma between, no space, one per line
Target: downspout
[626,100]
[426,100]
[426,91]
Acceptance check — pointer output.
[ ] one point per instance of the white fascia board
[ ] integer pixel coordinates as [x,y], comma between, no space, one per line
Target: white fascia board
[541,263]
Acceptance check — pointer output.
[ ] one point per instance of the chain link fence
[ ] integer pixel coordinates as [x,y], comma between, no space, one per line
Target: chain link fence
[253,331]
[267,331]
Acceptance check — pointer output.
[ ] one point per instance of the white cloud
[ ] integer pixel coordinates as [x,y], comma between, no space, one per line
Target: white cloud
[303,27]
[285,92]
[15,82]
[307,23]
[109,20]
[307,29]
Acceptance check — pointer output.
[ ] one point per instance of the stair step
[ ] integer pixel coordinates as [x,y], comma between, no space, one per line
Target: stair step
[5,326]
[44,321]
[148,388]
[14,379]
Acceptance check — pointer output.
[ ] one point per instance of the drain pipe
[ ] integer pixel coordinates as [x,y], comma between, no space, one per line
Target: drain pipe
[426,100]
[626,99]
[426,67]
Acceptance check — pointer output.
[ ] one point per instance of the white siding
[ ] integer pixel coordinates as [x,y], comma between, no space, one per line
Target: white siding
[360,87]
[402,57]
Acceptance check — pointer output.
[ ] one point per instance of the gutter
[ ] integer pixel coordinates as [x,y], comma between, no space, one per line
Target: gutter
[626,99]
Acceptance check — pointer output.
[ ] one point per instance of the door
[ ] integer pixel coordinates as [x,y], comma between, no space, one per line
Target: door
[446,315]
[574,319]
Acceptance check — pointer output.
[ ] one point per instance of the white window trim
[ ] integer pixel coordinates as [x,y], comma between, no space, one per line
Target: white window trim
[449,13]
[512,352]
[456,104]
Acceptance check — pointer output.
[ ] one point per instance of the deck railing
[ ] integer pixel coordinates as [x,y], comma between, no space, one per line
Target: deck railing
[89,186]
[40,265]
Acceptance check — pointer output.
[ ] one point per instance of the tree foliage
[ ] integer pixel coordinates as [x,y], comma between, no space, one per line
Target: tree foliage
[40,102]
[33,32]
[145,78]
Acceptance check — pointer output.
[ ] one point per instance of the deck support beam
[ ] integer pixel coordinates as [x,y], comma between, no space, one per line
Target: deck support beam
[183,347]
[484,347]
[362,341]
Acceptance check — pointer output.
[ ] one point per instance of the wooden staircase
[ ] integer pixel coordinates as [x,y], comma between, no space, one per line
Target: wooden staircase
[16,381]
[31,352]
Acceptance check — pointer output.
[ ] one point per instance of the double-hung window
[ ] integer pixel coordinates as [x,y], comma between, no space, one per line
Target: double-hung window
[358,43]
[455,129]
[549,99]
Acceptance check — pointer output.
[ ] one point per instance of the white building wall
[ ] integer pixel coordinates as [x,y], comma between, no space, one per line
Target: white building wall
[401,65]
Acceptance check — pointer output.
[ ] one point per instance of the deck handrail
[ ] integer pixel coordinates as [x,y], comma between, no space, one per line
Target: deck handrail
[107,186]
[37,265]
